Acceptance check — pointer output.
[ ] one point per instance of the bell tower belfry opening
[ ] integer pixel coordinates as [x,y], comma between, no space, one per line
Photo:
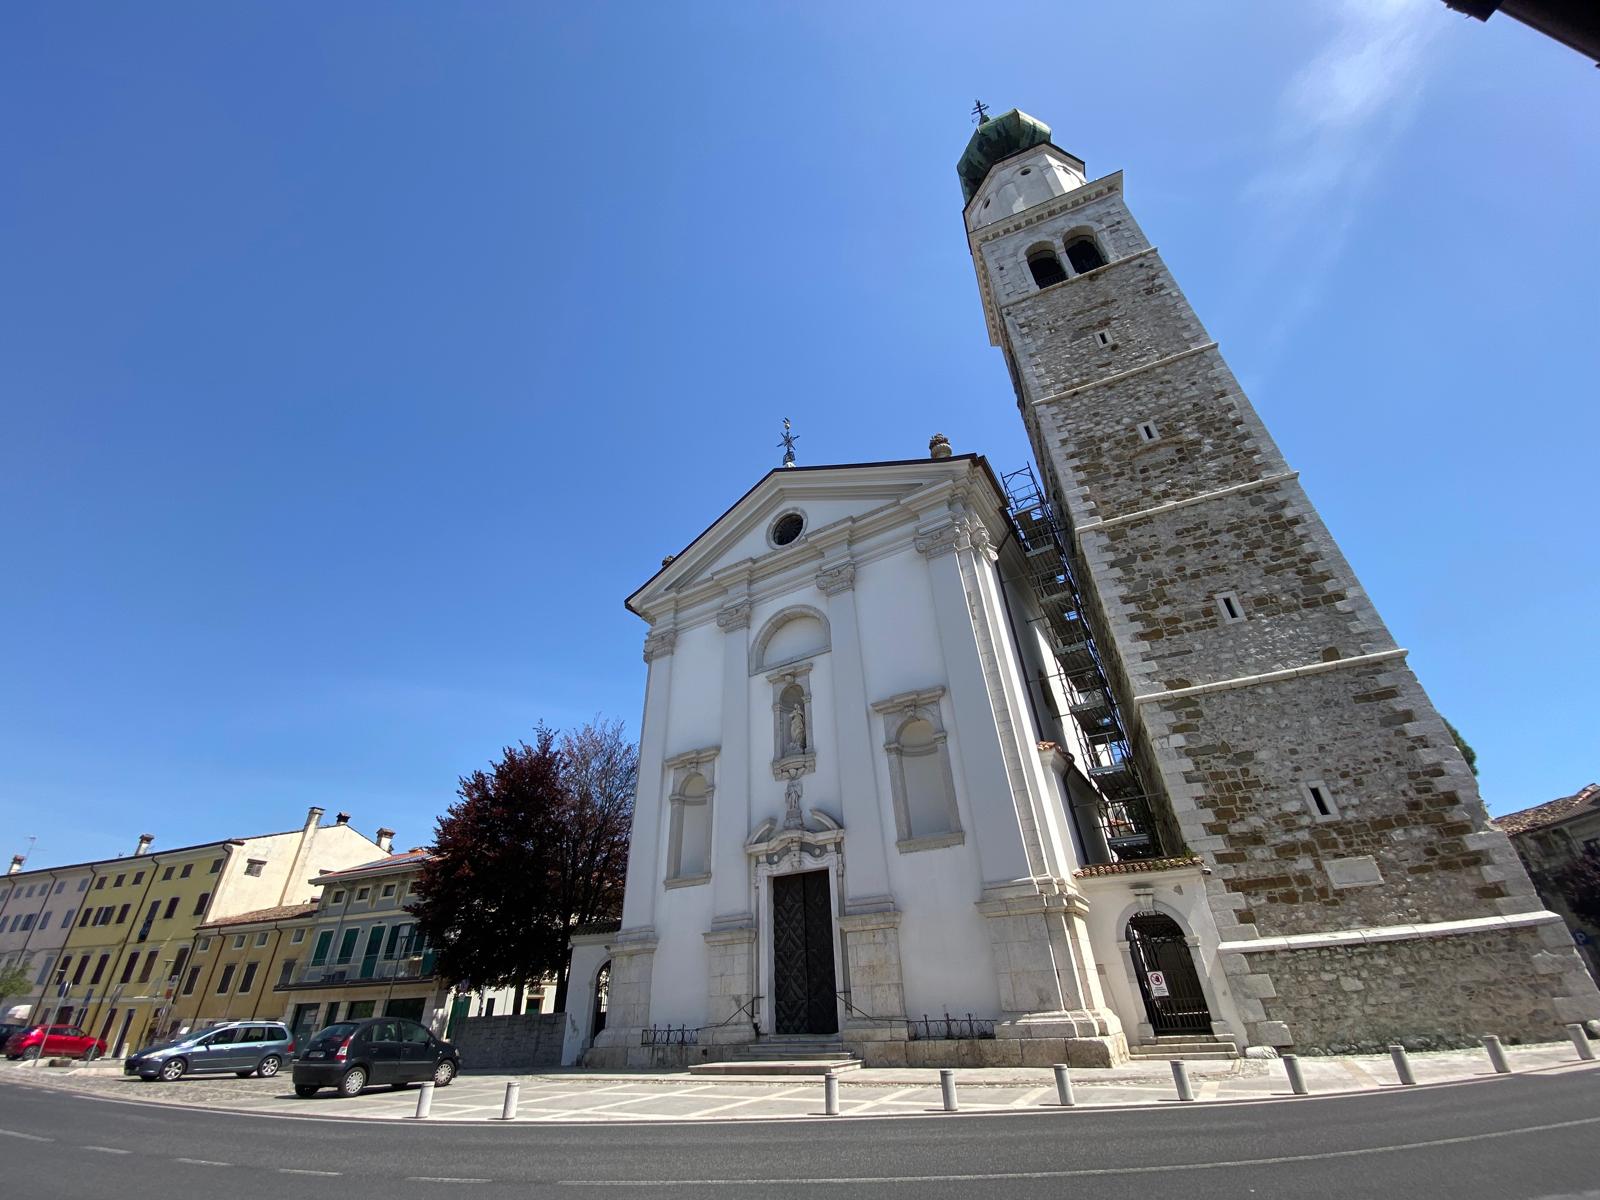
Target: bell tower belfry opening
[1246,667]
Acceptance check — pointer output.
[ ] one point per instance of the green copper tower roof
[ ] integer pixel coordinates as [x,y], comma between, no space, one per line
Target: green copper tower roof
[997,138]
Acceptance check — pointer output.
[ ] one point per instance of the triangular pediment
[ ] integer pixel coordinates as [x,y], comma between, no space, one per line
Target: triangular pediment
[826,499]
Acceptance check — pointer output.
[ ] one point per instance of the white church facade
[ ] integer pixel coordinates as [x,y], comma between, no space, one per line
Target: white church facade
[856,821]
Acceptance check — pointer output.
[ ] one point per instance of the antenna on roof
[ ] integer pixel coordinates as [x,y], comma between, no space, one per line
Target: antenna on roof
[789,439]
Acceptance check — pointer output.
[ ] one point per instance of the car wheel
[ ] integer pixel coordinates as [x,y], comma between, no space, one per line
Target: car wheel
[31,1053]
[444,1073]
[304,1090]
[92,1053]
[269,1066]
[172,1070]
[354,1080]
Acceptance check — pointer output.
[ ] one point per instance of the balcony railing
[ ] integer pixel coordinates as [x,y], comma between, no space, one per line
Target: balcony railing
[363,970]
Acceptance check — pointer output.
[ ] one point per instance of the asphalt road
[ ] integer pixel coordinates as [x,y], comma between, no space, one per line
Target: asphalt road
[1515,1138]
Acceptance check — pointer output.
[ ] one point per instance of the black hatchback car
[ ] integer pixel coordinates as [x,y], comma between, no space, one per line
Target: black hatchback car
[350,1055]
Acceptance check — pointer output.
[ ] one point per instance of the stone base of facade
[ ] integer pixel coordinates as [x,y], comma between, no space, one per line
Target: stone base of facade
[995,1052]
[1349,993]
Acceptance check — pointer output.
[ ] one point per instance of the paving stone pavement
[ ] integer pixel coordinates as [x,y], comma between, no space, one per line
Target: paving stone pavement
[582,1097]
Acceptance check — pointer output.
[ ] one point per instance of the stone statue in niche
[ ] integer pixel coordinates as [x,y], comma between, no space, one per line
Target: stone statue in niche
[796,742]
[791,804]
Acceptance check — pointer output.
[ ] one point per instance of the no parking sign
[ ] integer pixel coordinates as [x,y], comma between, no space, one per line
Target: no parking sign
[1157,981]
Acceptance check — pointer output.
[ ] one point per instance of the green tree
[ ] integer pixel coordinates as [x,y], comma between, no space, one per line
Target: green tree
[1467,752]
[536,846]
[13,982]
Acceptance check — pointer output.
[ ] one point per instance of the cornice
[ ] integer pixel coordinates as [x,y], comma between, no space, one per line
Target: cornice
[1095,189]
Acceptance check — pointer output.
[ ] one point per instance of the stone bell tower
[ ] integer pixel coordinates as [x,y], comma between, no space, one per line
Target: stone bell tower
[1360,893]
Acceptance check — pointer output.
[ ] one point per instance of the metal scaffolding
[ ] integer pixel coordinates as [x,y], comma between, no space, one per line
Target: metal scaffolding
[1106,755]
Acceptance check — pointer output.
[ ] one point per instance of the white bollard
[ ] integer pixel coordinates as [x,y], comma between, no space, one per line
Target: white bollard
[424,1101]
[1580,1042]
[1180,1079]
[1064,1086]
[508,1111]
[947,1089]
[1297,1081]
[830,1093]
[1497,1054]
[1402,1064]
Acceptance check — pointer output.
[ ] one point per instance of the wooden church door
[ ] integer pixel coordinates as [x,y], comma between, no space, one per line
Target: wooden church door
[804,998]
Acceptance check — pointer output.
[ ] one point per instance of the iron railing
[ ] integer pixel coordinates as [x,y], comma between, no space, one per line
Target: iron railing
[948,1028]
[666,1035]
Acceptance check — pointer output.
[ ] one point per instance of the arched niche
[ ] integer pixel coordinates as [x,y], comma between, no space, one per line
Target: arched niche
[793,635]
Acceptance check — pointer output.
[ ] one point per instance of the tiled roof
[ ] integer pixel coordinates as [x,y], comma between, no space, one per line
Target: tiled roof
[1550,812]
[283,912]
[392,862]
[1138,865]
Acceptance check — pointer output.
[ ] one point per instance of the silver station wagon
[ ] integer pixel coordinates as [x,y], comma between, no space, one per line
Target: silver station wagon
[243,1047]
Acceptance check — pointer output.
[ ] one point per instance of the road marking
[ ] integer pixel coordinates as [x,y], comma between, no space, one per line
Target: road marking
[1028,1098]
[107,1150]
[888,1098]
[303,1171]
[444,1179]
[30,1137]
[202,1162]
[701,1114]
[1084,1171]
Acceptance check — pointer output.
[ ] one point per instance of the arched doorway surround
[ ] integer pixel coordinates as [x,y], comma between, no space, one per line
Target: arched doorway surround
[1163,967]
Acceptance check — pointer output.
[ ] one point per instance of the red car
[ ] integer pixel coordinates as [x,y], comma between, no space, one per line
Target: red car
[68,1041]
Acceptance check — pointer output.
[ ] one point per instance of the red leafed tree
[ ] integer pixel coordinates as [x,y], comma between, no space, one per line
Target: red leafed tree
[535,847]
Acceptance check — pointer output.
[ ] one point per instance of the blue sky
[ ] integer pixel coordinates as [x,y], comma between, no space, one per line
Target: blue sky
[358,360]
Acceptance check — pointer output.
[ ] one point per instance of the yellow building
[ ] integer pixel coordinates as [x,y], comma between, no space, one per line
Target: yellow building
[126,960]
[235,963]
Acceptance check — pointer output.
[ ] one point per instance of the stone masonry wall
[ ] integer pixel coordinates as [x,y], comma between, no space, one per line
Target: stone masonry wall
[530,1042]
[1425,993]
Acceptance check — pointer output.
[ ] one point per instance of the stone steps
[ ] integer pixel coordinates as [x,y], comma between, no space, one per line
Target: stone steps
[1162,1049]
[757,1066]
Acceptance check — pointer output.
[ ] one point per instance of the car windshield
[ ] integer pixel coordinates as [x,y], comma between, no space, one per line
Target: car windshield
[332,1035]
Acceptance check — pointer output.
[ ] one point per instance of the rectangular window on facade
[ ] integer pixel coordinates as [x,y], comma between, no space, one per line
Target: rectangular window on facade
[44,971]
[320,954]
[118,883]
[238,941]
[202,945]
[254,866]
[227,979]
[103,917]
[285,972]
[172,907]
[83,965]
[388,891]
[347,945]
[338,898]
[249,977]
[363,893]
[189,983]
[99,968]
[149,966]
[177,963]
[122,913]
[166,875]
[100,883]
[83,884]
[187,868]
[261,939]
[138,878]
[200,904]
[66,918]
[1229,608]
[297,937]
[1320,801]
[216,865]
[129,966]
[922,783]
[61,887]
[1148,431]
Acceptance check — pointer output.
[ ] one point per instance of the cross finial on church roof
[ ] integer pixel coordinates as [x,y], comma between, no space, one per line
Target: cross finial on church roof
[980,112]
[789,439]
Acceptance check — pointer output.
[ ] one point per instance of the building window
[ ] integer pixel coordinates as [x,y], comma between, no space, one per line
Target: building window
[1084,254]
[216,865]
[77,976]
[188,868]
[194,978]
[83,884]
[238,941]
[166,875]
[129,966]
[149,966]
[138,878]
[1148,431]
[99,884]
[248,978]
[253,866]
[1229,607]
[787,528]
[297,937]
[172,907]
[122,913]
[338,898]
[261,939]
[227,978]
[1320,801]
[99,969]
[66,918]
[118,883]
[44,971]
[285,972]
[202,945]
[200,904]
[1045,267]
[363,893]
[388,891]
[920,778]
[177,963]
[689,823]
[347,945]
[84,919]
[319,955]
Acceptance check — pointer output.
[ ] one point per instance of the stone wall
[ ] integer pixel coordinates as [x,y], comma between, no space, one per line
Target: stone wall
[1426,993]
[531,1042]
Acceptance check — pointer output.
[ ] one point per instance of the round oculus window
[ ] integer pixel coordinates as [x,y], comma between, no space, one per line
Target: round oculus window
[786,528]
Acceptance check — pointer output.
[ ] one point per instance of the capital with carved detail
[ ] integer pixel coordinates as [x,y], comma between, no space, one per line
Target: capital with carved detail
[833,580]
[658,643]
[734,616]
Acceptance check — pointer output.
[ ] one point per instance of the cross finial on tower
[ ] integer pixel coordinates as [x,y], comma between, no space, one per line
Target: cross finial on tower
[980,112]
[789,439]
